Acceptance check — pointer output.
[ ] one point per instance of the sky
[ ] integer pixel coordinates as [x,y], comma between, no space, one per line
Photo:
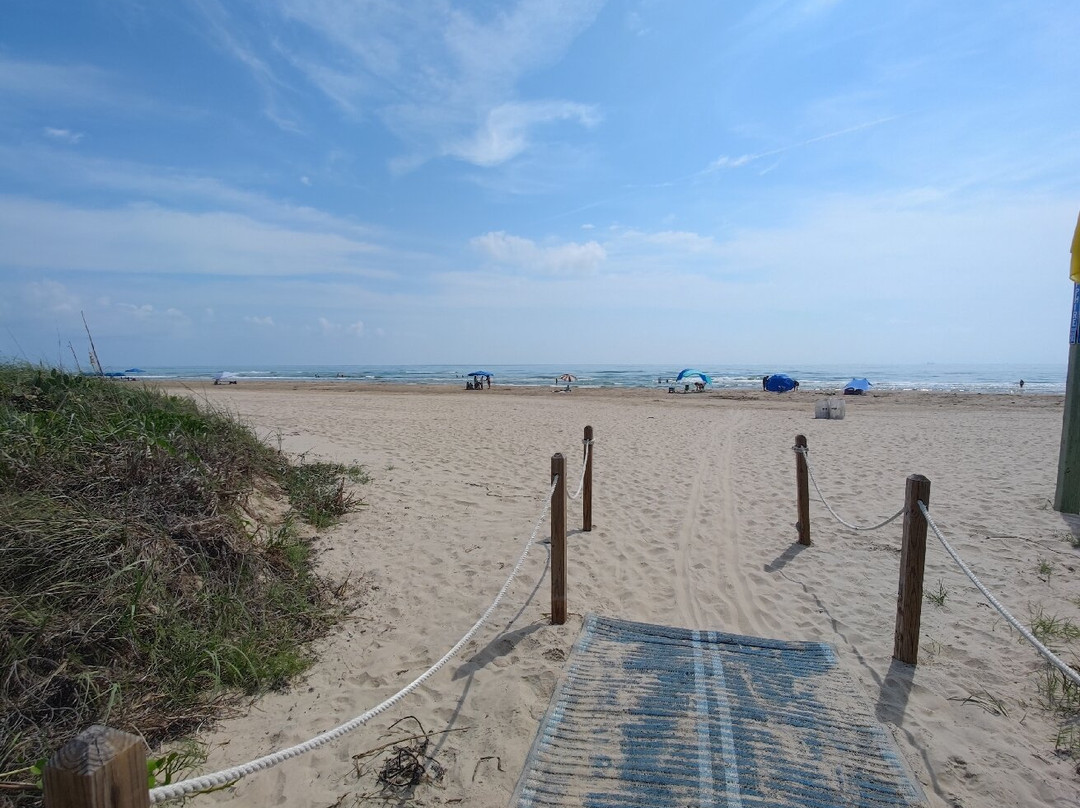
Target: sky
[365,182]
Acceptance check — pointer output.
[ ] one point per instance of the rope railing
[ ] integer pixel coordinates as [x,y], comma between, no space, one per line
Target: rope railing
[917,518]
[587,442]
[805,452]
[104,758]
[226,776]
[1066,671]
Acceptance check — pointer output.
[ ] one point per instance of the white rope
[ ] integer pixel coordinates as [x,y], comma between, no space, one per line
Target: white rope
[584,465]
[226,776]
[1066,671]
[805,452]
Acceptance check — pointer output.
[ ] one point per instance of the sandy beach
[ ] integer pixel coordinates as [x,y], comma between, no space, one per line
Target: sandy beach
[694,526]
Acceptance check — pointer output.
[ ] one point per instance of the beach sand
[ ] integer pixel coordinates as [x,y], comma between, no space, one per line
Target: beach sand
[694,526]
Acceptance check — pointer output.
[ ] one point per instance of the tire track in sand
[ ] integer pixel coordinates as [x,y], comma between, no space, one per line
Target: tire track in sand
[713,592]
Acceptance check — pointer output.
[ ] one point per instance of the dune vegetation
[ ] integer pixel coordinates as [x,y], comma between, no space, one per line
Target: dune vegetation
[155,563]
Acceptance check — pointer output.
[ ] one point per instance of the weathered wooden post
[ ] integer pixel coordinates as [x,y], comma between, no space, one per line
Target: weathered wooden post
[802,486]
[586,494]
[100,768]
[912,560]
[558,540]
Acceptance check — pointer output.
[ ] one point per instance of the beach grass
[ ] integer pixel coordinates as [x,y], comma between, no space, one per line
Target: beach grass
[142,582]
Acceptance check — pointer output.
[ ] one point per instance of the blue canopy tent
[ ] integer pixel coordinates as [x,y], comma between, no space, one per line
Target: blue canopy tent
[779,383]
[686,373]
[856,387]
[478,379]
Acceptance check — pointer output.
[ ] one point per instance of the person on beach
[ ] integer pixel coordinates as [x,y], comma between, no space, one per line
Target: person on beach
[796,384]
[1021,384]
[764,382]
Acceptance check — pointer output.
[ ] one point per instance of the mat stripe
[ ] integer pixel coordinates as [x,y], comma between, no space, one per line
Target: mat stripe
[659,716]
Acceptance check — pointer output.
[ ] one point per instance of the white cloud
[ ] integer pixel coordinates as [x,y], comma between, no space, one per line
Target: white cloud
[63,135]
[505,133]
[732,162]
[147,311]
[266,321]
[558,259]
[330,328]
[50,296]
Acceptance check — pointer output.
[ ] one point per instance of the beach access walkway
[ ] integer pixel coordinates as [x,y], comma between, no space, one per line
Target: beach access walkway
[655,716]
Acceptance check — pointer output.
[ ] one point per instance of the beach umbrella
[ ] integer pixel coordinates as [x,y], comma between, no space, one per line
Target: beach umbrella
[686,373]
[134,370]
[568,377]
[779,383]
[856,387]
[479,373]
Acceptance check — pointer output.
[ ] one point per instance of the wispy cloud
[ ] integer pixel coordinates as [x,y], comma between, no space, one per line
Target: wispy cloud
[169,187]
[228,36]
[147,311]
[77,85]
[506,131]
[442,79]
[514,252]
[726,161]
[151,239]
[330,328]
[62,135]
[51,297]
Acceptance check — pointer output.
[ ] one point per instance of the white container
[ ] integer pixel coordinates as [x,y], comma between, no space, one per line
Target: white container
[830,408]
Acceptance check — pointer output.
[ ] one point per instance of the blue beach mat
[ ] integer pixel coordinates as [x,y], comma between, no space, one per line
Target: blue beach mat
[655,716]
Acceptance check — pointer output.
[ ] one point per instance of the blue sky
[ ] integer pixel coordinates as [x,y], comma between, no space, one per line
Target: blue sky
[633,181]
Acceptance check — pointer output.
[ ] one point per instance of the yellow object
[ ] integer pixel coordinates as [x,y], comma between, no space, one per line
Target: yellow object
[1074,267]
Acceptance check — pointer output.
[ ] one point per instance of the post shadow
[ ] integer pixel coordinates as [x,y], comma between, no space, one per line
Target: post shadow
[894,693]
[782,560]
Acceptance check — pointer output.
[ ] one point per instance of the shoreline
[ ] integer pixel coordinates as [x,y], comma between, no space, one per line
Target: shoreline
[792,400]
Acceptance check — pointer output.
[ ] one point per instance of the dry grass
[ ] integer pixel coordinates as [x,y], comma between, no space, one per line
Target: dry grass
[135,589]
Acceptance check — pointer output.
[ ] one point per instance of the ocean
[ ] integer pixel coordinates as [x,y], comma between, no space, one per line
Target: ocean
[1044,379]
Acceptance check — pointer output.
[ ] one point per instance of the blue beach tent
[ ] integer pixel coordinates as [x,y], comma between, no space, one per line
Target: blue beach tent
[483,373]
[686,373]
[779,383]
[856,387]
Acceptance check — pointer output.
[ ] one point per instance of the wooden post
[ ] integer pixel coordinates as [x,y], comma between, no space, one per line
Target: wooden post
[586,494]
[558,541]
[802,486]
[912,560]
[101,768]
